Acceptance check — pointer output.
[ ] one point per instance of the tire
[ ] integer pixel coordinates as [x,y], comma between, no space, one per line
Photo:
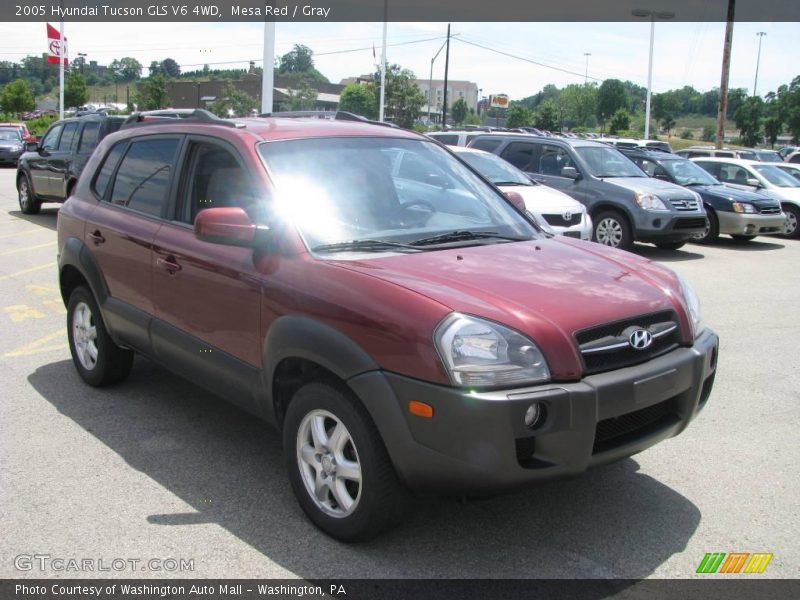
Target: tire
[792,218]
[611,228]
[670,245]
[711,234]
[28,203]
[743,238]
[352,509]
[97,358]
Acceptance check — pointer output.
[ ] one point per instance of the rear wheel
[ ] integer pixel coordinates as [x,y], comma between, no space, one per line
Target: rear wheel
[28,203]
[743,238]
[792,216]
[97,358]
[711,234]
[338,465]
[611,228]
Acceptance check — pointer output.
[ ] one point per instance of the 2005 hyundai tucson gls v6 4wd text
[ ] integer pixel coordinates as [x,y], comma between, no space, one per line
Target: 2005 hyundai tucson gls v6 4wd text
[402,339]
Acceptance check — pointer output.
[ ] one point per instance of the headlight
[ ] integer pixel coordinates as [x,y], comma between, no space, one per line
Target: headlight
[743,207]
[477,352]
[650,201]
[693,304]
[15,148]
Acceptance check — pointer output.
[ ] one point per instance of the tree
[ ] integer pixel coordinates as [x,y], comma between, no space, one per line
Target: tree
[404,99]
[547,116]
[519,116]
[300,59]
[234,102]
[459,110]
[155,68]
[619,120]
[580,103]
[359,98]
[667,123]
[709,133]
[736,97]
[303,98]
[687,134]
[151,93]
[17,97]
[126,69]
[748,120]
[773,118]
[170,68]
[75,93]
[610,98]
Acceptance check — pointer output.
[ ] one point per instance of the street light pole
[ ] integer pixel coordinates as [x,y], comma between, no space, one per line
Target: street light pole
[587,55]
[653,16]
[430,82]
[760,35]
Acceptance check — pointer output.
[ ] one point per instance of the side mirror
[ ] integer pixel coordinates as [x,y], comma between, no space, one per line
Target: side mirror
[570,173]
[515,199]
[31,146]
[228,225]
[753,181]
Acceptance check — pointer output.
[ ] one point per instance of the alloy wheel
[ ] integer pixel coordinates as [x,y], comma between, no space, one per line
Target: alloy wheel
[84,334]
[609,232]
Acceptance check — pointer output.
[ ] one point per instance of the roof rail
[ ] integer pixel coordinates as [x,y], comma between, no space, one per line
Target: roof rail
[339,115]
[198,115]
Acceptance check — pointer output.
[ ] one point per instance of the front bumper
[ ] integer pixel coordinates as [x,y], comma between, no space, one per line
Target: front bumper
[477,443]
[9,158]
[657,227]
[581,230]
[750,224]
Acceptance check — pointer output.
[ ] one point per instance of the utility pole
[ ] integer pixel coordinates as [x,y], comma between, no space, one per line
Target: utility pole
[268,72]
[383,62]
[760,35]
[446,66]
[726,68]
[587,55]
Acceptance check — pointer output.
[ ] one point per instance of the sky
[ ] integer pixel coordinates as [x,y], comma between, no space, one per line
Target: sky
[684,53]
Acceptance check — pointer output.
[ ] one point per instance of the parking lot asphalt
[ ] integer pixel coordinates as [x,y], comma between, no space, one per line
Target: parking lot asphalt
[156,468]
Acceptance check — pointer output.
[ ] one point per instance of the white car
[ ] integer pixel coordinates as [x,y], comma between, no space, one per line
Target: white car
[792,169]
[767,179]
[563,214]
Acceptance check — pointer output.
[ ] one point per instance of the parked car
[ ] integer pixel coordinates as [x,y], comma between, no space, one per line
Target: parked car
[453,138]
[636,143]
[762,155]
[741,214]
[22,128]
[563,214]
[792,169]
[794,157]
[11,145]
[787,150]
[49,169]
[710,151]
[625,205]
[765,179]
[397,343]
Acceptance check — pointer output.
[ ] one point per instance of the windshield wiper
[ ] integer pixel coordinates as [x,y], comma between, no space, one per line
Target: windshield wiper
[363,246]
[511,183]
[459,236]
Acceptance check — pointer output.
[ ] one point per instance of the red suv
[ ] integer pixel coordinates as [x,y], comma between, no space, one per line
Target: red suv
[389,310]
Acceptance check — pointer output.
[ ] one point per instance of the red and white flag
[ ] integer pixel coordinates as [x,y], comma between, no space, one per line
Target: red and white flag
[55,48]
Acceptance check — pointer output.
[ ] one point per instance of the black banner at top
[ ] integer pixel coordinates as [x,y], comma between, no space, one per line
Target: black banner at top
[397,10]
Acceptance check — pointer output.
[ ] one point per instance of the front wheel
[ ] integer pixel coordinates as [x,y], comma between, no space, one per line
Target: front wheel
[611,228]
[28,203]
[338,465]
[792,215]
[98,360]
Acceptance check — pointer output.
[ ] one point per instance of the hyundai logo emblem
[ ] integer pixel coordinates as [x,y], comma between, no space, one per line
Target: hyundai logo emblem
[567,216]
[640,339]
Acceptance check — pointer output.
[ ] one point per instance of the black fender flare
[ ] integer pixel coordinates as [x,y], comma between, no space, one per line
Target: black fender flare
[75,254]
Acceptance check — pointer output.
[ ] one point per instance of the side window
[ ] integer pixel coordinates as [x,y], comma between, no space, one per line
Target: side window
[143,177]
[449,140]
[553,159]
[653,169]
[713,168]
[733,174]
[213,178]
[695,153]
[89,138]
[521,155]
[68,137]
[51,138]
[109,164]
[487,144]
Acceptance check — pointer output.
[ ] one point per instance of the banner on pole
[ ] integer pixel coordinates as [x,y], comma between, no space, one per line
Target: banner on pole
[56,49]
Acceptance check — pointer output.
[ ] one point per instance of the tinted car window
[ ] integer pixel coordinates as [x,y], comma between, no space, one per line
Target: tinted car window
[487,144]
[68,137]
[552,160]
[450,140]
[89,138]
[733,174]
[143,176]
[51,139]
[521,155]
[109,164]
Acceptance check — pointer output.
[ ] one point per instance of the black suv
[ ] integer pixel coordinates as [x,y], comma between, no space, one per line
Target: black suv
[49,169]
[625,204]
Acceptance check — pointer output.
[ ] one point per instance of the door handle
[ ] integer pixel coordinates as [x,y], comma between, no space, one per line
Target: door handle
[96,237]
[170,264]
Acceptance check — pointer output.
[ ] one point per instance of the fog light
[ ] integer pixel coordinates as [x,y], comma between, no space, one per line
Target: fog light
[534,415]
[750,229]
[656,223]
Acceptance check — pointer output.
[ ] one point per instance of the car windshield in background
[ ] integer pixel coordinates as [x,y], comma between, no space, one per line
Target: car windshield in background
[608,162]
[353,193]
[685,172]
[775,176]
[495,169]
[10,135]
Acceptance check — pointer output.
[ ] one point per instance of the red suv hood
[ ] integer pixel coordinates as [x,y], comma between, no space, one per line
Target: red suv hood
[547,289]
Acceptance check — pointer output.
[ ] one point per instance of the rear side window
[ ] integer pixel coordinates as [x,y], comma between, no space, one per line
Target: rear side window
[521,155]
[89,137]
[109,164]
[712,168]
[65,144]
[486,144]
[143,177]
[695,153]
[449,140]
[51,139]
[723,154]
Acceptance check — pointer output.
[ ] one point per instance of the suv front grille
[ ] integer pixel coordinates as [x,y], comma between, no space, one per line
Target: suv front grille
[698,223]
[559,220]
[685,205]
[771,210]
[607,347]
[624,429]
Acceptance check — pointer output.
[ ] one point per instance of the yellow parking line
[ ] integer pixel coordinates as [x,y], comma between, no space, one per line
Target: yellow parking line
[25,271]
[41,345]
[27,248]
[26,232]
[22,312]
